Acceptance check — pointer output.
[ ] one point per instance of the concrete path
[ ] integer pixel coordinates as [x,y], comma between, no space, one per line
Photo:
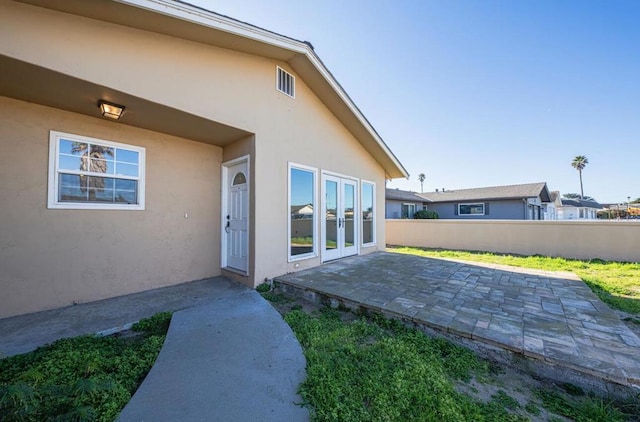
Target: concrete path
[228,355]
[233,359]
[550,317]
[24,333]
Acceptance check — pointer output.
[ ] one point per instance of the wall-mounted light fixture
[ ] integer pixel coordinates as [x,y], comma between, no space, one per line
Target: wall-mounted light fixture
[110,110]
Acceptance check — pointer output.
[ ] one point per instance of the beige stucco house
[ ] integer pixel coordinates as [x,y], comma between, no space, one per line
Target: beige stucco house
[226,129]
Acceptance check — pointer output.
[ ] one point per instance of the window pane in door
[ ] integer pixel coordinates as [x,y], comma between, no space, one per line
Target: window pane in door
[367,213]
[302,211]
[349,227]
[331,220]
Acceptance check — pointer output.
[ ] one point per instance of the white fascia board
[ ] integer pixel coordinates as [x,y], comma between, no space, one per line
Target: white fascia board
[202,17]
[209,19]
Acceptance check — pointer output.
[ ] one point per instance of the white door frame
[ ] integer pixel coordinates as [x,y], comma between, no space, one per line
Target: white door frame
[224,202]
[341,251]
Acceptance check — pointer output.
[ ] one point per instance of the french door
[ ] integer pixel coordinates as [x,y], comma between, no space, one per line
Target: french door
[339,217]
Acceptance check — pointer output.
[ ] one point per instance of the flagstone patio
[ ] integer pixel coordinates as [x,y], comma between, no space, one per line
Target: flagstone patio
[547,317]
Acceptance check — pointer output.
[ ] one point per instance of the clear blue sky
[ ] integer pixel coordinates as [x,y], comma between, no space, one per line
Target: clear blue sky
[483,93]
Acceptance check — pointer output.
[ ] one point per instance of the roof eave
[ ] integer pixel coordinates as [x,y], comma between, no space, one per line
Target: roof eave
[392,166]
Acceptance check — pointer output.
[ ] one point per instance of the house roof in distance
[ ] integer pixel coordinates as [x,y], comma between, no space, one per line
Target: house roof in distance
[528,190]
[403,195]
[580,203]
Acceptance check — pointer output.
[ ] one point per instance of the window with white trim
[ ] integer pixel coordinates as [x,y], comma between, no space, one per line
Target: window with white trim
[302,212]
[89,173]
[471,209]
[285,82]
[368,202]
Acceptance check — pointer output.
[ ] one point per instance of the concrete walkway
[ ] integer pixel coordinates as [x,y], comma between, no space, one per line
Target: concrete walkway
[228,354]
[549,317]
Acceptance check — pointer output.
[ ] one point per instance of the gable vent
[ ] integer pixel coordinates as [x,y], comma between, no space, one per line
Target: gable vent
[285,82]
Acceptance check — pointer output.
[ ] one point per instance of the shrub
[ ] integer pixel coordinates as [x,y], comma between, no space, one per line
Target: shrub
[426,215]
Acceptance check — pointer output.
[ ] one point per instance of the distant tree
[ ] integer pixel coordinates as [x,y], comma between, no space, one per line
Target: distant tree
[636,201]
[578,196]
[421,178]
[579,163]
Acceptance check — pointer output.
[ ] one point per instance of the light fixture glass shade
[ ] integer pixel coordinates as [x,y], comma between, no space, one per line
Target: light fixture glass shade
[110,110]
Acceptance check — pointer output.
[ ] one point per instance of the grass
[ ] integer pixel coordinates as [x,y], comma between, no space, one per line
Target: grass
[84,378]
[376,369]
[615,283]
[381,371]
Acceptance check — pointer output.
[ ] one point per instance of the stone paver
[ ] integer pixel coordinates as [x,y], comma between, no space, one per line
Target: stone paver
[549,316]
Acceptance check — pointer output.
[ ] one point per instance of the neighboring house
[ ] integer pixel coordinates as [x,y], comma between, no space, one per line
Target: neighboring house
[402,203]
[578,209]
[550,209]
[227,128]
[513,202]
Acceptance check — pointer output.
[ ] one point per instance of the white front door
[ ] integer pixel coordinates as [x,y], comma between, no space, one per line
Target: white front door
[339,217]
[236,217]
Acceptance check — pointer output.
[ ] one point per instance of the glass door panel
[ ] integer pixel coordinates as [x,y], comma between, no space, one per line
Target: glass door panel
[331,215]
[349,217]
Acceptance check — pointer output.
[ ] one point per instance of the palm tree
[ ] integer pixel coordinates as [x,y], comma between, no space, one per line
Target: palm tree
[421,178]
[579,163]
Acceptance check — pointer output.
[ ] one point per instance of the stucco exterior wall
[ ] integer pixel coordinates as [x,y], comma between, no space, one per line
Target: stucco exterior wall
[53,257]
[217,84]
[608,240]
[303,131]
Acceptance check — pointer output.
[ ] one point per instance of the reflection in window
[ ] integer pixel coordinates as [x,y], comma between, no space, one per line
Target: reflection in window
[331,223]
[367,212]
[349,208]
[471,209]
[91,171]
[408,210]
[302,211]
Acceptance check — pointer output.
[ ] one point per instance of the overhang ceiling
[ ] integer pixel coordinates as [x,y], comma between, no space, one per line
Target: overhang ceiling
[35,84]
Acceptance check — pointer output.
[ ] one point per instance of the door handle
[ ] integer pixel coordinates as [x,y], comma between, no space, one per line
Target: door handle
[227,228]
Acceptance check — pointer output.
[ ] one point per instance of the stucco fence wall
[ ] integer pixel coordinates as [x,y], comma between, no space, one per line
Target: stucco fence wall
[609,240]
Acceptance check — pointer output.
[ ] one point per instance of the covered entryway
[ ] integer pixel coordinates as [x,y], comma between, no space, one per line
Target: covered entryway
[339,222]
[235,215]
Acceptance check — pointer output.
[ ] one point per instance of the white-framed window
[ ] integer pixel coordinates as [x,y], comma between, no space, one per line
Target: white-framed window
[285,82]
[471,209]
[408,210]
[368,207]
[89,173]
[303,212]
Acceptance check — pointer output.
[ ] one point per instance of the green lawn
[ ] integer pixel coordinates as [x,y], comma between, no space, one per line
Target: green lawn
[615,283]
[87,378]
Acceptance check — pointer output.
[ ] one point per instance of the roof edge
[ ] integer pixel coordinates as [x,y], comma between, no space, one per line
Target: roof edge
[198,15]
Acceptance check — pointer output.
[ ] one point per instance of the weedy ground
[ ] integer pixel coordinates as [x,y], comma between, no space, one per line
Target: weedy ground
[369,368]
[87,378]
